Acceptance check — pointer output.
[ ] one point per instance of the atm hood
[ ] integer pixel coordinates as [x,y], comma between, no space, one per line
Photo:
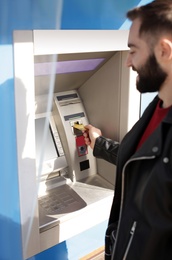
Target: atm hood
[70,71]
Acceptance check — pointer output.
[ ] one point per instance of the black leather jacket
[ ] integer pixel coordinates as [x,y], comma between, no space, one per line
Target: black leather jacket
[142,204]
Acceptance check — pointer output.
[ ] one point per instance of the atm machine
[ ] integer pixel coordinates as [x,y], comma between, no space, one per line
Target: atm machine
[64,189]
[68,180]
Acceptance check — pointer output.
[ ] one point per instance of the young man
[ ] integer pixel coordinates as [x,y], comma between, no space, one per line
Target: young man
[140,223]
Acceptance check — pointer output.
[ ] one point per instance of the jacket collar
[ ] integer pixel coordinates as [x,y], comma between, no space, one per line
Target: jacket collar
[153,144]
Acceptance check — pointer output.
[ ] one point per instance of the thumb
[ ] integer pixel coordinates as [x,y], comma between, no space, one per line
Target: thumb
[88,127]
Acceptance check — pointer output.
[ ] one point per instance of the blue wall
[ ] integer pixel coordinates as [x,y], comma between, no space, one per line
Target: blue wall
[38,14]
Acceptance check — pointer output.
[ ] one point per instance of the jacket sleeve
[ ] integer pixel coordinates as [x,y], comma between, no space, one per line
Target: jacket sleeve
[106,149]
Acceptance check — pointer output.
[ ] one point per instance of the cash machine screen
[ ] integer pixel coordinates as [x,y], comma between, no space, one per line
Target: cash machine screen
[51,150]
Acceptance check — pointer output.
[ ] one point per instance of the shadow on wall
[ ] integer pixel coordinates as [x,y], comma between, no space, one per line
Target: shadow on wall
[10,247]
[58,252]
[10,232]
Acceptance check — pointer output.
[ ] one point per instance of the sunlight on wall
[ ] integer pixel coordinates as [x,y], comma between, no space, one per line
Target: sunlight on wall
[6,64]
[127,23]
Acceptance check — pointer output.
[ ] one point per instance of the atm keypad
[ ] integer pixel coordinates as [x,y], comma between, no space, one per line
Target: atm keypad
[56,201]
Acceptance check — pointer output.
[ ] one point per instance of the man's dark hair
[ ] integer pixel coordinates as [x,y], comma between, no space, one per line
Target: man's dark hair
[156,18]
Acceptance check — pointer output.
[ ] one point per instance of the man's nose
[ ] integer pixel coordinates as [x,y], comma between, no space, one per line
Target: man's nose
[128,61]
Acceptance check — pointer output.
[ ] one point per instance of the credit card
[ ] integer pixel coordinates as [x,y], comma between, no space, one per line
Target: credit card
[79,127]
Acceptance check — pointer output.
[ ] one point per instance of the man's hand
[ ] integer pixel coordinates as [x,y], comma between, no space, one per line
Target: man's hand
[90,135]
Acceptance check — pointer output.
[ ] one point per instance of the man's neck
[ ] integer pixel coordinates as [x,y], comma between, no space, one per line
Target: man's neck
[165,94]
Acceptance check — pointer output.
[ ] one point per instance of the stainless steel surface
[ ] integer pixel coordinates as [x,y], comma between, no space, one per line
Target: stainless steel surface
[58,203]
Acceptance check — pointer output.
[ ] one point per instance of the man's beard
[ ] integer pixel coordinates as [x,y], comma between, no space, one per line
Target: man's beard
[150,76]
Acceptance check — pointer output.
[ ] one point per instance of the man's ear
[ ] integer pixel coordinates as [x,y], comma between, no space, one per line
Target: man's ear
[165,48]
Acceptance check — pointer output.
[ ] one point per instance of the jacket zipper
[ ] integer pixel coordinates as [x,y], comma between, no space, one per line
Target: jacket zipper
[122,194]
[132,231]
